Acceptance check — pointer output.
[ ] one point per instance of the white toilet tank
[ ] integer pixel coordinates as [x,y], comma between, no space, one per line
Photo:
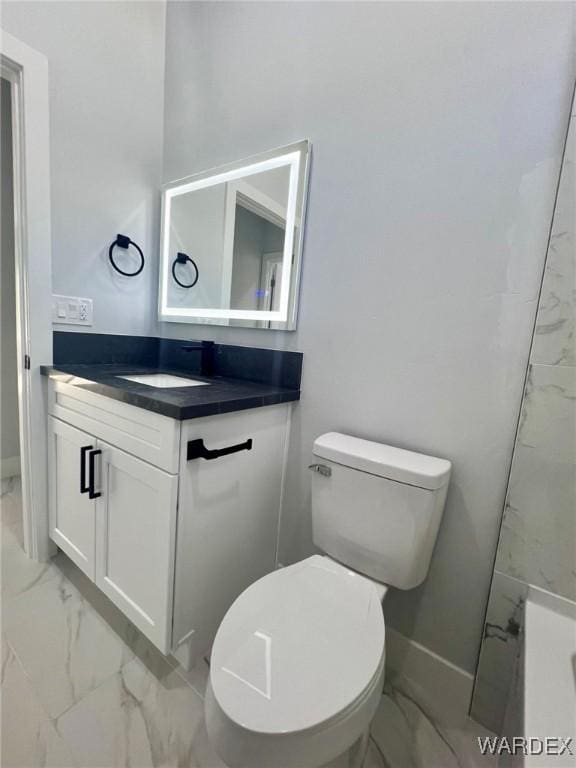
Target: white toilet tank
[376,508]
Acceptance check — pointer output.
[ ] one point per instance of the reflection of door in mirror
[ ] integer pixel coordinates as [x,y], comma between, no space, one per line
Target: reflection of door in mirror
[255,225]
[256,240]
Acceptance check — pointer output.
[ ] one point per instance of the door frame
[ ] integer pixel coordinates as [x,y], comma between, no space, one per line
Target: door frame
[27,71]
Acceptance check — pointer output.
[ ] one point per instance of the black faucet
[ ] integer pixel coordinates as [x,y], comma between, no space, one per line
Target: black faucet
[207,359]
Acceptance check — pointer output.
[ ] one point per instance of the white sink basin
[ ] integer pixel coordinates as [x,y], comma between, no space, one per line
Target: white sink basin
[164,380]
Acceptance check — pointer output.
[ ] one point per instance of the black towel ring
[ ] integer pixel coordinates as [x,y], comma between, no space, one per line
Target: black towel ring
[123,241]
[182,258]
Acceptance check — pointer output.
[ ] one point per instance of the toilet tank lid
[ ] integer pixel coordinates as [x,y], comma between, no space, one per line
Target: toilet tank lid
[384,460]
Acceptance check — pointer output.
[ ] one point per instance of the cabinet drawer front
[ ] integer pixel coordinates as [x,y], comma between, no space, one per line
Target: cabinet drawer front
[72,513]
[136,524]
[149,436]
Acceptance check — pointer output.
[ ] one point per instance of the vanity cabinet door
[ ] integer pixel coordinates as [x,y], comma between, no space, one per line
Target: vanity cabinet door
[72,511]
[135,531]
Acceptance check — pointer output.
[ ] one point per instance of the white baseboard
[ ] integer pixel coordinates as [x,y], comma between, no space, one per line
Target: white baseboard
[9,467]
[440,688]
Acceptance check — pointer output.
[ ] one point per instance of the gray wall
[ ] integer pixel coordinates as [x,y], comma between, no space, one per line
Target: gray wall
[437,132]
[9,438]
[106,69]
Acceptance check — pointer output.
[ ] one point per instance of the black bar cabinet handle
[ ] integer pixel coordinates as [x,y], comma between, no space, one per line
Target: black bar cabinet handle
[83,487]
[197,450]
[92,494]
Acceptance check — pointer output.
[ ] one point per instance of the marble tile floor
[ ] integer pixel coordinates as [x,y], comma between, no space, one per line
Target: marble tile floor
[81,687]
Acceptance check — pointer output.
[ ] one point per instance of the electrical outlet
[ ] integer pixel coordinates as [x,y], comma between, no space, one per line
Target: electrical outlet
[71,310]
[85,310]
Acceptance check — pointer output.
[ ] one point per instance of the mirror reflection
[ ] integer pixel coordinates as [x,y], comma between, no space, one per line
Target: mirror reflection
[232,243]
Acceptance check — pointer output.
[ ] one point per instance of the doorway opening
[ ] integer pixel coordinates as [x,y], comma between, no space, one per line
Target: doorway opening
[26,331]
[9,400]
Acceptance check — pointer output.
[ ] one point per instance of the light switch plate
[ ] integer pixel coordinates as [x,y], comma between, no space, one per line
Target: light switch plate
[72,310]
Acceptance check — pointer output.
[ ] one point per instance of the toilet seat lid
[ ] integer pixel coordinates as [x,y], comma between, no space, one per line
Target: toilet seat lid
[298,647]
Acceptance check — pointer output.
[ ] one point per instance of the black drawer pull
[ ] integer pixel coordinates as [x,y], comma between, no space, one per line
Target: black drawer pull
[197,450]
[83,487]
[92,494]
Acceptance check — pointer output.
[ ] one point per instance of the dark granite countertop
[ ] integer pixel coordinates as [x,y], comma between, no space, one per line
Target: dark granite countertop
[223,395]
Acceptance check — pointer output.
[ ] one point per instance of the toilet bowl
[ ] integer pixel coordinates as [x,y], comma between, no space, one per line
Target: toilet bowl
[297,665]
[297,668]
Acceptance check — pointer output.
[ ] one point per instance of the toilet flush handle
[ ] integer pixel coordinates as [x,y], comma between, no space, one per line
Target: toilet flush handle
[322,469]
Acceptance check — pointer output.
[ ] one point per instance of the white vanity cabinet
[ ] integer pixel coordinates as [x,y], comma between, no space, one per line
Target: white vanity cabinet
[171,539]
[114,515]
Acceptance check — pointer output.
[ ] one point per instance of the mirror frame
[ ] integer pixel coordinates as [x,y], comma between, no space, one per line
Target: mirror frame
[296,156]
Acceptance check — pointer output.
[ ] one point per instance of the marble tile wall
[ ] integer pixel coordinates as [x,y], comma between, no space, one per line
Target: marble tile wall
[554,338]
[537,544]
[501,649]
[538,536]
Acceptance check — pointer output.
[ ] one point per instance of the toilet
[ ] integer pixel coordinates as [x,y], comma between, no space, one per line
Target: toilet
[297,665]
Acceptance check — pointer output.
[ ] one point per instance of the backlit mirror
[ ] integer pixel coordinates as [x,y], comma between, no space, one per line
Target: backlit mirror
[231,242]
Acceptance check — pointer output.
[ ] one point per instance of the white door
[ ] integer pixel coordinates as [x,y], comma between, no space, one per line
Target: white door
[136,523]
[72,510]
